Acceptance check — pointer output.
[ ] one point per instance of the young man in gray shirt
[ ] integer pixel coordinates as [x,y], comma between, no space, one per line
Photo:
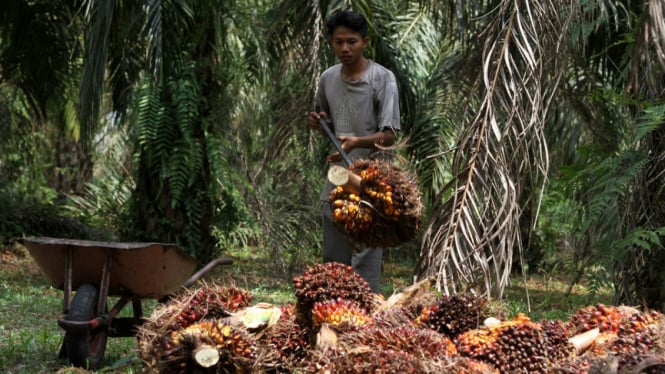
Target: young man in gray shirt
[359,100]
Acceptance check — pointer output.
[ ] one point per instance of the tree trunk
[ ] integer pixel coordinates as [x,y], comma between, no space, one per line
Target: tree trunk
[73,166]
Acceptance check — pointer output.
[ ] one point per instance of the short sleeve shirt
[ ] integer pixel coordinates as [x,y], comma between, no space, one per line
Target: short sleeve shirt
[359,108]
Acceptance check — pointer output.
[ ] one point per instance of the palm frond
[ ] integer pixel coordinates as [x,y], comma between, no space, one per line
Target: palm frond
[648,60]
[126,57]
[99,18]
[459,19]
[501,159]
[39,52]
[296,72]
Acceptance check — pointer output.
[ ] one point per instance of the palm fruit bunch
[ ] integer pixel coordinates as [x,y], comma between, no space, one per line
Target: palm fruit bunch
[466,365]
[606,318]
[639,334]
[630,349]
[386,212]
[478,343]
[424,343]
[184,310]
[286,344]
[518,345]
[395,316]
[330,281]
[211,302]
[455,314]
[227,348]
[339,313]
[370,361]
[585,365]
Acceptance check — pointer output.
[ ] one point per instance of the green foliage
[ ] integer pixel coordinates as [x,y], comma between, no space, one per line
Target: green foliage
[174,172]
[593,198]
[554,229]
[24,168]
[104,204]
[267,182]
[150,114]
[639,239]
[292,222]
[233,227]
[650,120]
[24,164]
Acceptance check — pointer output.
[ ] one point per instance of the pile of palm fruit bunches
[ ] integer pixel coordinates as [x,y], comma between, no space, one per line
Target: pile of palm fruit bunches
[383,209]
[337,325]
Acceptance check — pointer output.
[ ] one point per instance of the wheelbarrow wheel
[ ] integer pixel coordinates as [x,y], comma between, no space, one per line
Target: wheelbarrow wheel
[85,349]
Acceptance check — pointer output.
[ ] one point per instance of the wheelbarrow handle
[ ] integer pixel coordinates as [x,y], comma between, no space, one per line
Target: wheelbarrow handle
[207,268]
[334,140]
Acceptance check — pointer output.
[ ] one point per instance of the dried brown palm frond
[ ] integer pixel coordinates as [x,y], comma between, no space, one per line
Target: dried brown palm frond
[501,158]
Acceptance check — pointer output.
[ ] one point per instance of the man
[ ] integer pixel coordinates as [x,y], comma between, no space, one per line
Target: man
[358,98]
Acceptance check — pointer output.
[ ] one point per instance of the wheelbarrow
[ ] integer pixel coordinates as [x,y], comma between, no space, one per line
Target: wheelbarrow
[97,270]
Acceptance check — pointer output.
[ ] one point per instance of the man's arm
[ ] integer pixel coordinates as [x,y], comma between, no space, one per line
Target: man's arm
[381,138]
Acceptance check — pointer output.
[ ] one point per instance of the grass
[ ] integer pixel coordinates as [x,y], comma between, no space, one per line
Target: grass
[546,297]
[30,338]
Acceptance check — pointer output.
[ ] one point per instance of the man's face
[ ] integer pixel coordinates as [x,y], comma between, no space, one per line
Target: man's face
[348,45]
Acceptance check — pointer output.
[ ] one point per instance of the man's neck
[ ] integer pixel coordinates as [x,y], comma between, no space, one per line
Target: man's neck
[353,72]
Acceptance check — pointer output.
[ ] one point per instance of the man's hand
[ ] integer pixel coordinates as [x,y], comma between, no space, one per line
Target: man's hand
[348,144]
[313,120]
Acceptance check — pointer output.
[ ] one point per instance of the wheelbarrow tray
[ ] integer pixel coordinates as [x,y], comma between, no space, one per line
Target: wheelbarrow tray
[145,270]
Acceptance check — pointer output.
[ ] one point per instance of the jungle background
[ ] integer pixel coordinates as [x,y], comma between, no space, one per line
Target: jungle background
[535,130]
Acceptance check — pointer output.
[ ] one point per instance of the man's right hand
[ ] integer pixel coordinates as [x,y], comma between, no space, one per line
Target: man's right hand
[313,120]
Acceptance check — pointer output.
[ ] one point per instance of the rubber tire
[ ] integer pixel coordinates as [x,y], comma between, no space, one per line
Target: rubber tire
[85,349]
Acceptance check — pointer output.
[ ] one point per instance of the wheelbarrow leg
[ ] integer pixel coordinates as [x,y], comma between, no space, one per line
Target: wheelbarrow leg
[106,279]
[67,288]
[62,355]
[68,280]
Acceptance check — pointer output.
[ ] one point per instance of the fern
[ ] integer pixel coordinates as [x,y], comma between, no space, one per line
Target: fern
[178,174]
[154,138]
[652,118]
[176,203]
[604,235]
[643,239]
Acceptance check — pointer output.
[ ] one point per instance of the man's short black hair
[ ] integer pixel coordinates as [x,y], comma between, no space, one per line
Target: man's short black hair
[348,18]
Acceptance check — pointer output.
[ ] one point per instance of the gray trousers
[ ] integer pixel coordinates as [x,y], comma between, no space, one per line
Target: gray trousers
[336,248]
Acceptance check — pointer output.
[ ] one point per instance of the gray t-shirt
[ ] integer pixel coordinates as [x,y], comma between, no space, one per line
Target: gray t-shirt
[359,108]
